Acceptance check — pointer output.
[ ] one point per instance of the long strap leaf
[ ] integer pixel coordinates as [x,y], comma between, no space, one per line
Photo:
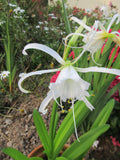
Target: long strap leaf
[67,127]
[53,125]
[42,131]
[104,114]
[86,141]
[15,154]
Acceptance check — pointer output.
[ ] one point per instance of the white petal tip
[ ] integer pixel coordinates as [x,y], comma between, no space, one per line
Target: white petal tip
[43,111]
[24,53]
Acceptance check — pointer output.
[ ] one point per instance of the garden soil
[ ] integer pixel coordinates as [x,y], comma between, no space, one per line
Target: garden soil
[17,130]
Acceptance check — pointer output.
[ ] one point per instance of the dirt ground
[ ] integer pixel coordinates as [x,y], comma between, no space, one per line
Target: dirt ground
[17,130]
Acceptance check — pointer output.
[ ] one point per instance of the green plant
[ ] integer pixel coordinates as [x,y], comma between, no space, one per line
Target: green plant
[68,84]
[53,142]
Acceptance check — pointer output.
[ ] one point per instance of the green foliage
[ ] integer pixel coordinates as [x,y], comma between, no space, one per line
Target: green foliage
[53,143]
[78,148]
[16,155]
[42,131]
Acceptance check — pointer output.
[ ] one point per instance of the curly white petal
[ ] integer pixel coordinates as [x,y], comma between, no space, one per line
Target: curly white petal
[45,102]
[99,69]
[32,74]
[46,49]
[81,23]
[113,20]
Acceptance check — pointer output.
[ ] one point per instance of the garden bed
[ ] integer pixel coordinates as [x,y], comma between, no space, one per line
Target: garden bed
[18,131]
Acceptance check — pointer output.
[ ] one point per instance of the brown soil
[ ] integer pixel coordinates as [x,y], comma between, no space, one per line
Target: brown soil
[17,130]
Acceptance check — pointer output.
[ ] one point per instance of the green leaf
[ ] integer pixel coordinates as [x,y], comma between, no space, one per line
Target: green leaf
[104,115]
[35,158]
[53,125]
[86,141]
[61,158]
[42,131]
[13,72]
[73,40]
[15,154]
[67,25]
[67,127]
[52,128]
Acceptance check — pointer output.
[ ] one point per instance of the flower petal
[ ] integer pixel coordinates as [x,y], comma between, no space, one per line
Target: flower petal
[81,23]
[112,21]
[99,69]
[45,102]
[31,74]
[88,104]
[46,49]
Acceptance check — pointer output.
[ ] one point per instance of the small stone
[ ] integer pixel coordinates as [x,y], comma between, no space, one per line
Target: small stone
[29,117]
[9,144]
[26,128]
[8,121]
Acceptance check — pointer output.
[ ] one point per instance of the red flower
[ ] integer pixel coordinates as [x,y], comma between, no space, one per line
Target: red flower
[72,54]
[118,49]
[40,13]
[114,142]
[117,52]
[54,77]
[116,94]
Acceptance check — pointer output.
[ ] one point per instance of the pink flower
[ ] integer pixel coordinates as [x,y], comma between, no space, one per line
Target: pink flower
[72,54]
[110,4]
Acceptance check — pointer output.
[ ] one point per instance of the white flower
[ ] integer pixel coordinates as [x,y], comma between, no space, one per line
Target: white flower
[12,5]
[18,10]
[40,22]
[95,38]
[95,144]
[45,22]
[68,84]
[51,14]
[2,22]
[37,26]
[46,28]
[4,74]
[54,17]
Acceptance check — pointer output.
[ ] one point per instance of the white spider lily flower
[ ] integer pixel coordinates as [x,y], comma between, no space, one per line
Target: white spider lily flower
[95,38]
[4,74]
[68,84]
